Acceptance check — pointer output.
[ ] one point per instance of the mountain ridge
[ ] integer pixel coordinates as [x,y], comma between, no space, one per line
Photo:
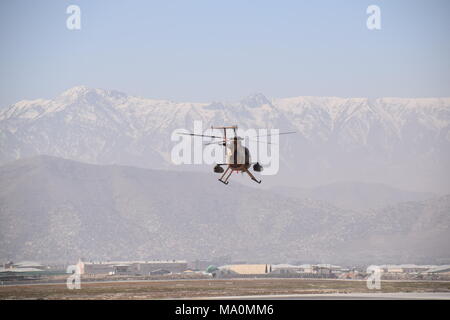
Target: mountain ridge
[396,141]
[355,195]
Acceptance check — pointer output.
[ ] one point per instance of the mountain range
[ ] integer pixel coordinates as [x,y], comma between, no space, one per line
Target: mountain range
[355,195]
[59,210]
[88,174]
[400,142]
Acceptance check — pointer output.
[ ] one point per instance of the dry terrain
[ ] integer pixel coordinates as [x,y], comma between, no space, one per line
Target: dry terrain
[174,289]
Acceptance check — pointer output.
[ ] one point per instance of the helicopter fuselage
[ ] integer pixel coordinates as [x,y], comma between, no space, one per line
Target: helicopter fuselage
[237,156]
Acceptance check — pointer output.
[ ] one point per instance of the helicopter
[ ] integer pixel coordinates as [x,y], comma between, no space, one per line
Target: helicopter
[237,156]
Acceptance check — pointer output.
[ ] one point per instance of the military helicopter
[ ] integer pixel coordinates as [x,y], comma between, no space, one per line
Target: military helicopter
[237,156]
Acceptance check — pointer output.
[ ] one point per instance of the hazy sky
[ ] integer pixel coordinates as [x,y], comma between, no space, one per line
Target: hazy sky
[222,50]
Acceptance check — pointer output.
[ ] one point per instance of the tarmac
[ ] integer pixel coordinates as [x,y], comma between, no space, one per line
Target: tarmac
[345,296]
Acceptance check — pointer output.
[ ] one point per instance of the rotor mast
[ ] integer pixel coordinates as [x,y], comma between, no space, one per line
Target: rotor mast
[225,131]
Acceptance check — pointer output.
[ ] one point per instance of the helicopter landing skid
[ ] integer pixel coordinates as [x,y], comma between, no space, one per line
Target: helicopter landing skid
[253,177]
[227,175]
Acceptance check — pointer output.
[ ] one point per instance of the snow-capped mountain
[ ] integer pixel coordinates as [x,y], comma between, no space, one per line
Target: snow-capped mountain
[402,142]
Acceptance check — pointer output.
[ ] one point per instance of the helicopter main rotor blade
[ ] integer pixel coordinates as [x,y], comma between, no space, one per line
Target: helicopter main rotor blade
[222,141]
[199,135]
[262,141]
[276,134]
[214,142]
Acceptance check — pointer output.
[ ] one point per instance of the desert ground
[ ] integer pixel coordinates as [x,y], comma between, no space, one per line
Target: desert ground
[207,289]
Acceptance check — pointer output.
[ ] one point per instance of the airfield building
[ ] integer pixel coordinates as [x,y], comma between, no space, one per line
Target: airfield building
[405,268]
[439,270]
[244,269]
[28,265]
[132,267]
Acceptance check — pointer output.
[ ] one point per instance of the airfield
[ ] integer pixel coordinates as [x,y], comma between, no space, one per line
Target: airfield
[230,289]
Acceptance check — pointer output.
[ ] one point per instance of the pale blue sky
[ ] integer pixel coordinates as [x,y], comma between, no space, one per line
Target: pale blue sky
[223,50]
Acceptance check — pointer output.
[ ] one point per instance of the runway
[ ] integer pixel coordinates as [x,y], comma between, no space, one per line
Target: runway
[345,296]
